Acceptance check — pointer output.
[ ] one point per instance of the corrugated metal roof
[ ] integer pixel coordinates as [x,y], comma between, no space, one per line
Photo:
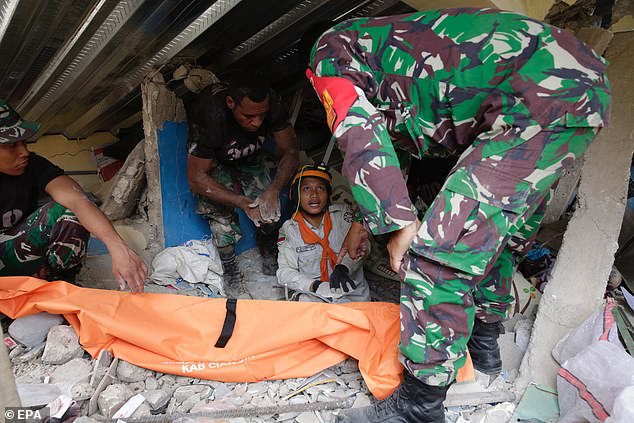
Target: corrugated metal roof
[76,65]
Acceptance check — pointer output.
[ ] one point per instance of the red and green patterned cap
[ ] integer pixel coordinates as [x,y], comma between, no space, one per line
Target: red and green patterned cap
[12,127]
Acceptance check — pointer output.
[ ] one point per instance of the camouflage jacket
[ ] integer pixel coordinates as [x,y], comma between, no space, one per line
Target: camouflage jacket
[435,82]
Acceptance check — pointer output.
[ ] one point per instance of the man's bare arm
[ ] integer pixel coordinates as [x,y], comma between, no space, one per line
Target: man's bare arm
[287,148]
[127,267]
[203,184]
[269,201]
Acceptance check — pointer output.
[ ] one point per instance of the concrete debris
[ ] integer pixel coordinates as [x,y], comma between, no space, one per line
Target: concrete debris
[37,395]
[32,330]
[76,370]
[62,345]
[130,407]
[523,329]
[167,394]
[128,183]
[142,411]
[113,398]
[27,354]
[307,418]
[104,385]
[127,372]
[182,393]
[100,366]
[82,391]
[157,398]
[105,381]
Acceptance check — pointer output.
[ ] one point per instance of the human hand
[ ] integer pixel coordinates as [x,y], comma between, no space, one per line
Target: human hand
[269,204]
[400,242]
[254,214]
[355,243]
[340,279]
[128,267]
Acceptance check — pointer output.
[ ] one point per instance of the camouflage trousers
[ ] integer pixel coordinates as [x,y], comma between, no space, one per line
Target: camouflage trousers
[463,268]
[249,179]
[49,242]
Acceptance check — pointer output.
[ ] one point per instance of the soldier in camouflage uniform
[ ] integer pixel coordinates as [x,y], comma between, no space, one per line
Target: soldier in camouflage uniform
[518,101]
[49,242]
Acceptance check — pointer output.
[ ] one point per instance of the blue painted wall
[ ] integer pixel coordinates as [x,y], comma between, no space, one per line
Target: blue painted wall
[180,221]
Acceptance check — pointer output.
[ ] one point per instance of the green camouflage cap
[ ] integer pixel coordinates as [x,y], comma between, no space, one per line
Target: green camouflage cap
[12,127]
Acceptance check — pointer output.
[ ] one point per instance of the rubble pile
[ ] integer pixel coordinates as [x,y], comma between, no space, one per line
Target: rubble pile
[49,364]
[55,365]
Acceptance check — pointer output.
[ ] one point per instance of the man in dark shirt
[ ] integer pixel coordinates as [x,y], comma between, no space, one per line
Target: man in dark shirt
[49,242]
[225,166]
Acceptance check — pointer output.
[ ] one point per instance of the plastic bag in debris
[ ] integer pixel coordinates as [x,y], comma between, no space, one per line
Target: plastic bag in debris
[595,369]
[599,326]
[623,410]
[195,262]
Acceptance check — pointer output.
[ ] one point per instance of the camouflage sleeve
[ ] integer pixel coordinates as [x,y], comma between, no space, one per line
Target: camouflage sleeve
[288,272]
[372,168]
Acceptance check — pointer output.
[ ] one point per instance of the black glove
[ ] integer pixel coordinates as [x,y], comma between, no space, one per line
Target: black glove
[340,278]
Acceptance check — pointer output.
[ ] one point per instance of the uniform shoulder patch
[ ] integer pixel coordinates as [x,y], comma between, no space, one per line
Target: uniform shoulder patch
[336,94]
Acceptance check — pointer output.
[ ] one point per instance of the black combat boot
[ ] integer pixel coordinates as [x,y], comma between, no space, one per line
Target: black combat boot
[233,282]
[412,402]
[268,249]
[483,347]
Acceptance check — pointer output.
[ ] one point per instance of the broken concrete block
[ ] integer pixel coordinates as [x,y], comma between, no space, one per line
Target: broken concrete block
[157,399]
[257,388]
[106,380]
[221,391]
[127,372]
[142,411]
[287,417]
[62,345]
[129,407]
[37,394]
[127,186]
[151,384]
[137,387]
[361,400]
[81,391]
[184,392]
[113,398]
[28,354]
[32,330]
[166,381]
[100,366]
[189,403]
[500,413]
[307,417]
[17,351]
[75,371]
